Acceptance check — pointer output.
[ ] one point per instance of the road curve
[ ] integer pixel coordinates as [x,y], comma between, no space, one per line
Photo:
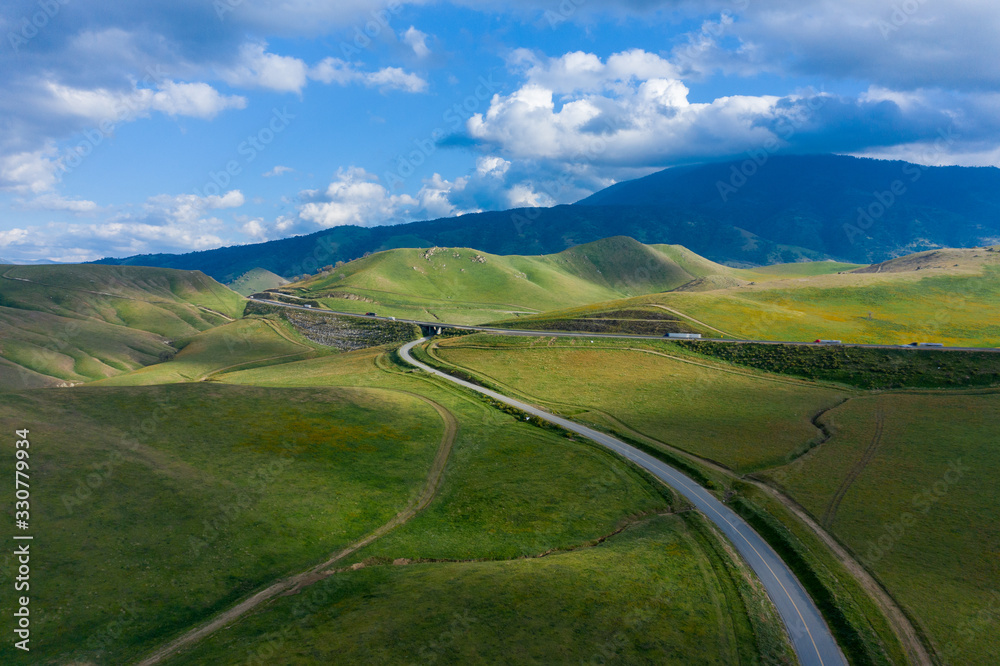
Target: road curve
[811,638]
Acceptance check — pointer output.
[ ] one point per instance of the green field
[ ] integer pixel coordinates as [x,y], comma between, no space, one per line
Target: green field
[648,595]
[512,491]
[908,483]
[943,296]
[201,493]
[70,324]
[160,506]
[904,479]
[744,421]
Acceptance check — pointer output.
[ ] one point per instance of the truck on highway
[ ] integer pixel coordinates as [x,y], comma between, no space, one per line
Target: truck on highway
[828,342]
[924,344]
[683,336]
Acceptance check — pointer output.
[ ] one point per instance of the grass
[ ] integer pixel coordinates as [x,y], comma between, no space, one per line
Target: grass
[160,506]
[462,285]
[69,324]
[249,341]
[256,280]
[865,368]
[921,513]
[858,623]
[932,297]
[511,491]
[671,400]
[646,596]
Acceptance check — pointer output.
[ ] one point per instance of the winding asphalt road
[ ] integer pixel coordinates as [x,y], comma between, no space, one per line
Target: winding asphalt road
[811,638]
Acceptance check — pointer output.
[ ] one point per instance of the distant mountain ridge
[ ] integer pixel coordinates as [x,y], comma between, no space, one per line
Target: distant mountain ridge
[778,209]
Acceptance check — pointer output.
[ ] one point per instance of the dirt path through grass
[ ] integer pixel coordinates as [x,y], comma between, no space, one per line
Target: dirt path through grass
[830,514]
[293,584]
[689,317]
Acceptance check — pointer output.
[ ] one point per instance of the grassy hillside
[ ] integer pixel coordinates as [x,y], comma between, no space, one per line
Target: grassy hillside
[462,285]
[173,503]
[256,280]
[76,323]
[160,506]
[246,342]
[907,481]
[947,296]
[513,492]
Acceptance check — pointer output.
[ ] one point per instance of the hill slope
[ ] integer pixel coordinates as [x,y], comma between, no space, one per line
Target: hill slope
[73,323]
[257,279]
[462,285]
[947,296]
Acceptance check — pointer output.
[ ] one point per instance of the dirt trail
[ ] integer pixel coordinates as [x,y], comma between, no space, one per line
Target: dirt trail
[907,634]
[277,329]
[831,510]
[293,584]
[689,317]
[901,624]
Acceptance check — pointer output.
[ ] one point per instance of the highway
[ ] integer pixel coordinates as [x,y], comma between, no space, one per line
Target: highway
[577,334]
[811,638]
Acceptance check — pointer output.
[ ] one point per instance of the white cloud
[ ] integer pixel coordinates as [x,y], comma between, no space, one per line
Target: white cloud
[417,41]
[355,197]
[33,171]
[277,171]
[335,70]
[55,202]
[97,105]
[256,68]
[255,229]
[585,72]
[12,236]
[394,78]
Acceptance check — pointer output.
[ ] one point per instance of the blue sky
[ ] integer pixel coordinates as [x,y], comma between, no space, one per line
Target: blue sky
[179,125]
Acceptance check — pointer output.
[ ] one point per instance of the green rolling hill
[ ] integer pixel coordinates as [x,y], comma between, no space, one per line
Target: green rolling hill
[257,279]
[462,285]
[947,296]
[61,325]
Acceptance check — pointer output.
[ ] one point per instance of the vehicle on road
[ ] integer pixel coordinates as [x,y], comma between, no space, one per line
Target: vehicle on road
[369,314]
[829,342]
[684,336]
[924,344]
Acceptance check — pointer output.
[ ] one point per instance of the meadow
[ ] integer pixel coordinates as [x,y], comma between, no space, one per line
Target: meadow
[697,407]
[945,296]
[902,478]
[907,481]
[513,492]
[157,507]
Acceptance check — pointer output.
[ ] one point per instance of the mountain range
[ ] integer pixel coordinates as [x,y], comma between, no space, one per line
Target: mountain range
[762,210]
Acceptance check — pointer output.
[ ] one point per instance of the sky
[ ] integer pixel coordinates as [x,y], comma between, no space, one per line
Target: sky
[180,125]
